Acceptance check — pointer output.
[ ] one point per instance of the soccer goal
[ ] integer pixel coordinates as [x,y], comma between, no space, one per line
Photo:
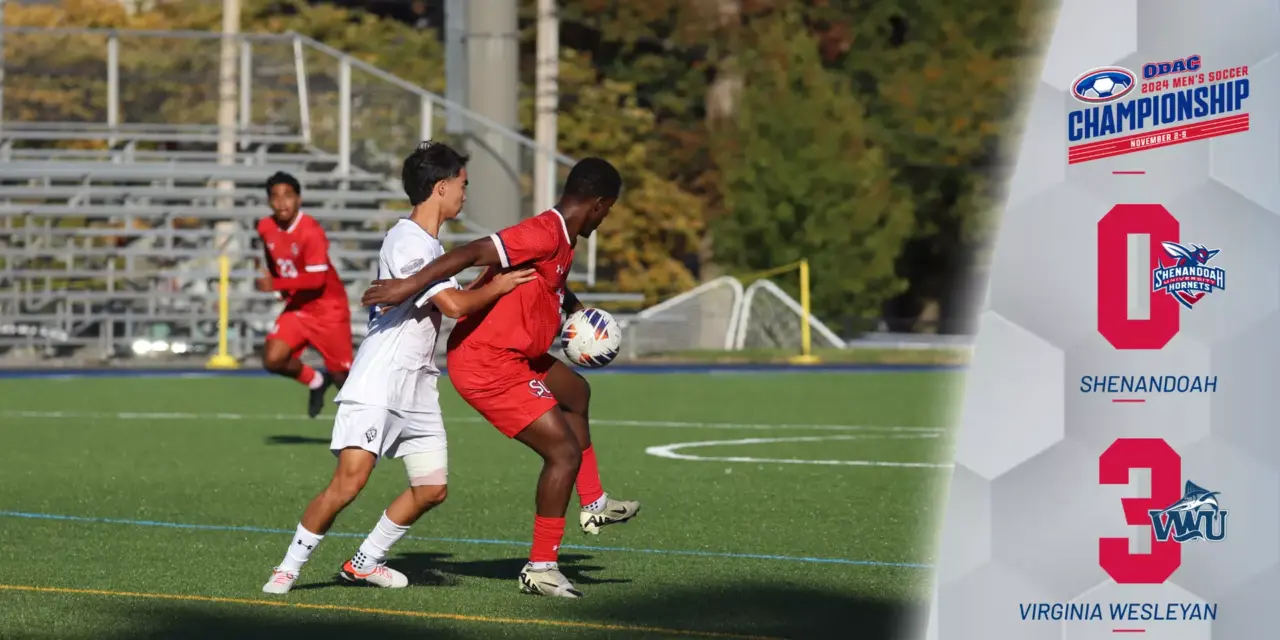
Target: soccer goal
[701,319]
[771,319]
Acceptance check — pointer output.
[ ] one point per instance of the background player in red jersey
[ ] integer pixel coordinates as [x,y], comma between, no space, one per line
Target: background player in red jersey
[316,312]
[499,364]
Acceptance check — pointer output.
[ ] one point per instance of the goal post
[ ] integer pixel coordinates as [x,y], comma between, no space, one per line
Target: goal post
[704,318]
[772,319]
[223,358]
[722,315]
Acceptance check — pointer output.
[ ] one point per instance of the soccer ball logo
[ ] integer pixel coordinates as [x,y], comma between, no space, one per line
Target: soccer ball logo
[1103,85]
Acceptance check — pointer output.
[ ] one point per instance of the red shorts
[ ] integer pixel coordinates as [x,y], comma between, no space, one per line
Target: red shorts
[508,390]
[332,339]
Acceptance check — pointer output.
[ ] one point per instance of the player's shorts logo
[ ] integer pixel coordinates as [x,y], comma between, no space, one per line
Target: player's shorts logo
[370,434]
[1196,516]
[538,389]
[1190,278]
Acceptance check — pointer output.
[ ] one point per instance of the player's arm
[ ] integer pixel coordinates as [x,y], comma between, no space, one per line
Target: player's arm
[517,244]
[456,303]
[571,302]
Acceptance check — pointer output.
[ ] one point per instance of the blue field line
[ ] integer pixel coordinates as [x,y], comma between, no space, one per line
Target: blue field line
[509,543]
[666,369]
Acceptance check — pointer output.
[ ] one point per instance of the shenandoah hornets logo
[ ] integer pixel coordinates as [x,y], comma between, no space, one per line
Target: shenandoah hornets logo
[1190,278]
[1136,242]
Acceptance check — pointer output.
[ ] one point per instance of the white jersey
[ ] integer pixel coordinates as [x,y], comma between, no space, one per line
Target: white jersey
[395,367]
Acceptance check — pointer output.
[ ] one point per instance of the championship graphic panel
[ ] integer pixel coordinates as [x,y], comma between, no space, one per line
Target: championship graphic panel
[1117,468]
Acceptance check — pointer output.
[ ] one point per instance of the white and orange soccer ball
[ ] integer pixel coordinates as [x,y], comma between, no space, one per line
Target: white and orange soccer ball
[591,338]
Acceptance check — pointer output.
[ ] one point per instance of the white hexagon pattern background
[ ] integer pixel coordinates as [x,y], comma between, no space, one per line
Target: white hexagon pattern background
[1026,510]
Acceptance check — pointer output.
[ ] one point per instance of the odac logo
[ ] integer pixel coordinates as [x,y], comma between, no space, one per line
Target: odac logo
[1139,243]
[1176,513]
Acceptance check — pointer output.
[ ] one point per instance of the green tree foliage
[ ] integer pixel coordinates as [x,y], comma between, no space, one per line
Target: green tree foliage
[801,179]
[921,96]
[655,224]
[941,82]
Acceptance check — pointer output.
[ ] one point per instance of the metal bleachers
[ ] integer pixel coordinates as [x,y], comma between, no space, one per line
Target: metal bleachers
[111,231]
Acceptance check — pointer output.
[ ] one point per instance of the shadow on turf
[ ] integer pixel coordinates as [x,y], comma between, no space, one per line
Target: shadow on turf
[782,611]
[138,621]
[437,570]
[774,611]
[296,440]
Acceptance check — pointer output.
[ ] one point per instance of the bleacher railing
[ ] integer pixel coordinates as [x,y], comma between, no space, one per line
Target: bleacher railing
[292,89]
[83,110]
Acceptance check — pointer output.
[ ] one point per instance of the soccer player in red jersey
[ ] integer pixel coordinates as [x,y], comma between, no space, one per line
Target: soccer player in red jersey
[498,361]
[316,312]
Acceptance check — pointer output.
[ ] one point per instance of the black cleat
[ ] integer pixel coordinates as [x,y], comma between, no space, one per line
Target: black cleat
[315,404]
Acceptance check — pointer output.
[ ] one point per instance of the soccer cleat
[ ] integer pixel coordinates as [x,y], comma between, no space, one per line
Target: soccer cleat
[281,581]
[380,576]
[315,404]
[547,582]
[614,511]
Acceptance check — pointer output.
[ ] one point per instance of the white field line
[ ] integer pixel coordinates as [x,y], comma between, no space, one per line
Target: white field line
[283,417]
[670,451]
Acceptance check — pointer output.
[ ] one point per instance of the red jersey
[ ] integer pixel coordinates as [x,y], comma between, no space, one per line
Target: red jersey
[298,258]
[527,319]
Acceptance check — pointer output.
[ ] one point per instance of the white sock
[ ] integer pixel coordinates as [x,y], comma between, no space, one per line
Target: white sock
[317,381]
[375,547]
[542,566]
[598,505]
[304,542]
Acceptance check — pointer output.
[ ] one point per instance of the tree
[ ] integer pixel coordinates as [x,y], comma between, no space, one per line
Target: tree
[647,241]
[802,180]
[941,83]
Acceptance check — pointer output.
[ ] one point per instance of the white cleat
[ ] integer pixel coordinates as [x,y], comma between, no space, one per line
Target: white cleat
[613,512]
[281,581]
[379,576]
[547,582]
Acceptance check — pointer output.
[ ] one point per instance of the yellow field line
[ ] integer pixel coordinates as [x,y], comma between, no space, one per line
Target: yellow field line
[387,612]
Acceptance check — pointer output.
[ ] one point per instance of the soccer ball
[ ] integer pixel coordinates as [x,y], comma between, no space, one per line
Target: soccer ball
[590,338]
[1105,86]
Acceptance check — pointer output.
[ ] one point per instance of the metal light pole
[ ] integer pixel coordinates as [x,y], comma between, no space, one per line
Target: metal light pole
[227,87]
[1,65]
[546,101]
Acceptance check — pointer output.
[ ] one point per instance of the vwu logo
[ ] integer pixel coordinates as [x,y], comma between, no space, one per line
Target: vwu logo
[1196,516]
[1190,278]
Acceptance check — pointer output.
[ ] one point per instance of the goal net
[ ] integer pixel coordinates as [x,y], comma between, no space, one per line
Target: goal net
[703,318]
[771,319]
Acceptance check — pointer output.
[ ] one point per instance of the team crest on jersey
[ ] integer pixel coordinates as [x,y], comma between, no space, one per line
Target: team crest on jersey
[1190,278]
[295,248]
[412,267]
[538,389]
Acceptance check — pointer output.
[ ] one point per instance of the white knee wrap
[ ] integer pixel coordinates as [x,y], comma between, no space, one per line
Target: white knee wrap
[427,468]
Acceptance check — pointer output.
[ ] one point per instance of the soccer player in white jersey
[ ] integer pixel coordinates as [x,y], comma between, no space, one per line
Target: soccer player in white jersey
[389,406]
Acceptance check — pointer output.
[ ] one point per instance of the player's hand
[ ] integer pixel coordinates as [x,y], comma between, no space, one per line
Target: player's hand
[505,282]
[387,292]
[264,284]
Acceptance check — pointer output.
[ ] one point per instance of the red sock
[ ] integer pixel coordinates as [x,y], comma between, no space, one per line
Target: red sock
[306,375]
[547,534]
[589,489]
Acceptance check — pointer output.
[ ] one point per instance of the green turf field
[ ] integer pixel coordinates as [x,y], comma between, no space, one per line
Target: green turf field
[149,508]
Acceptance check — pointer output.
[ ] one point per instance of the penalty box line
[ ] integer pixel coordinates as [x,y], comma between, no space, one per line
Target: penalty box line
[455,617]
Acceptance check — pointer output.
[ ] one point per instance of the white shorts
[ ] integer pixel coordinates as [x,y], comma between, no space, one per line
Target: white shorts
[387,432]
